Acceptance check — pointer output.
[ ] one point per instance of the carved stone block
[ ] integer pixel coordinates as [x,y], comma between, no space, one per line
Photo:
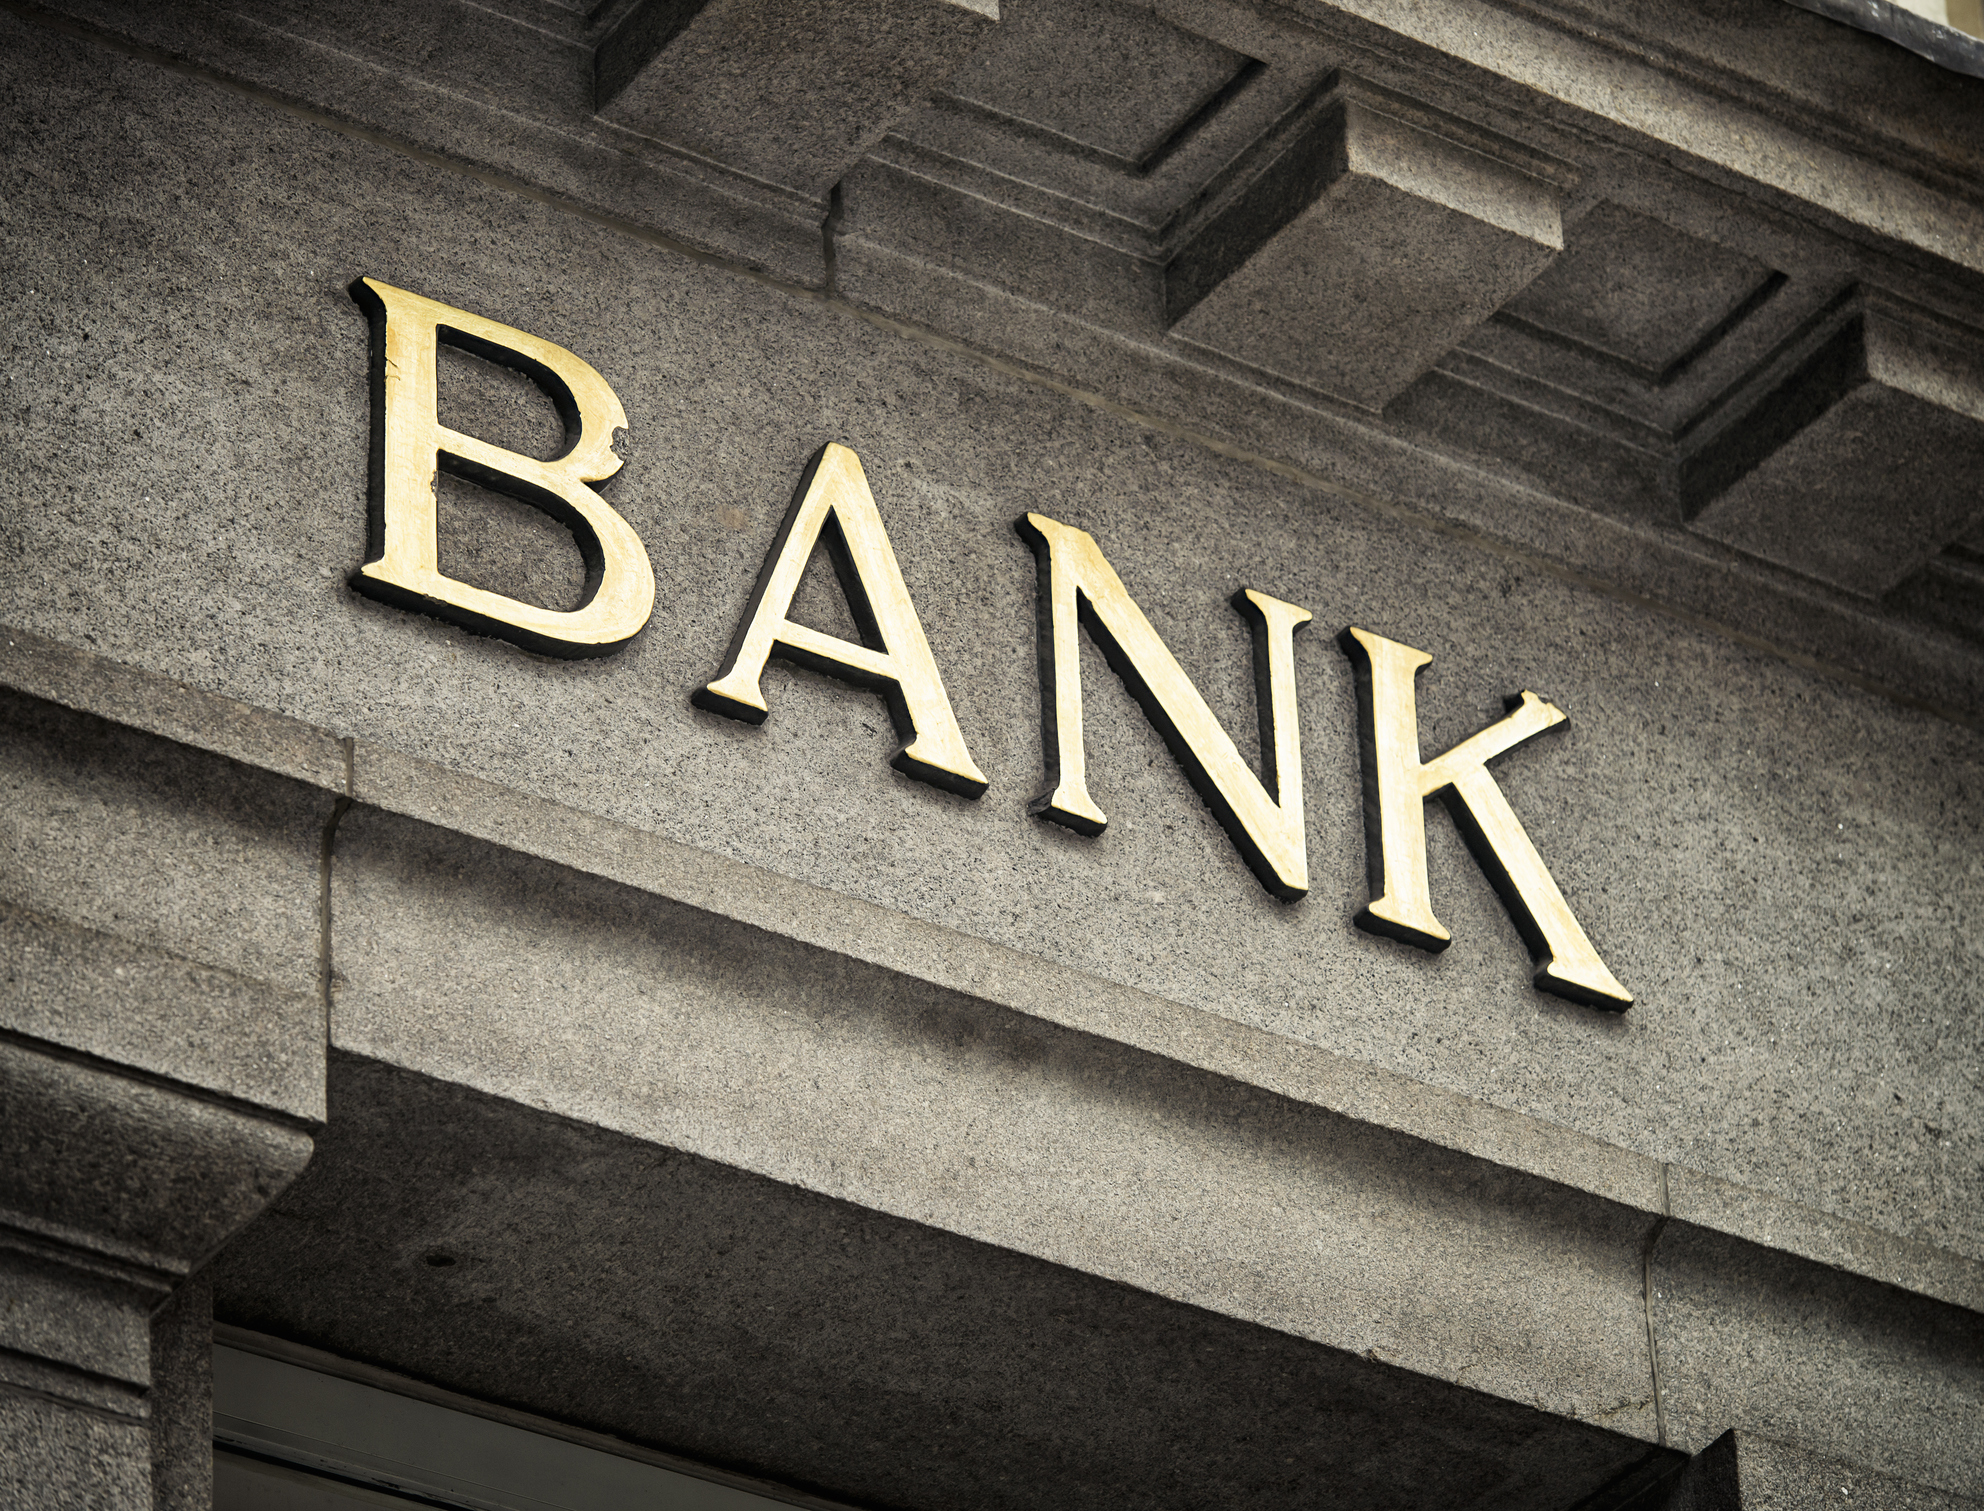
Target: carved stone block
[112,1189]
[790,92]
[1363,254]
[1640,295]
[1145,81]
[1861,464]
[161,1058]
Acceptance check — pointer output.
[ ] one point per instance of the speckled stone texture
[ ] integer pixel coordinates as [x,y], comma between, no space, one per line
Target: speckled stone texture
[1364,255]
[790,92]
[160,907]
[686,1304]
[1741,1471]
[161,1057]
[1785,868]
[182,1399]
[1779,866]
[113,1187]
[1799,1352]
[566,993]
[59,1460]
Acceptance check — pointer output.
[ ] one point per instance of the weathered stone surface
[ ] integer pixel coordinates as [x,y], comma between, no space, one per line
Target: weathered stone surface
[182,1394]
[161,1012]
[1620,56]
[1113,1068]
[112,1189]
[57,1460]
[67,674]
[160,906]
[790,92]
[160,938]
[1774,1223]
[1366,252]
[1780,865]
[155,1177]
[504,95]
[1741,1471]
[1800,1352]
[889,213]
[1109,120]
[1524,461]
[1926,33]
[1642,294]
[1147,79]
[1862,462]
[609,1007]
[948,961]
[923,953]
[170,848]
[688,1305]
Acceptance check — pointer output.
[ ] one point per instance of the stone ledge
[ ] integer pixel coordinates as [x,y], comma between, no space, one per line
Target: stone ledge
[1939,44]
[89,683]
[397,784]
[1691,99]
[162,1013]
[688,1303]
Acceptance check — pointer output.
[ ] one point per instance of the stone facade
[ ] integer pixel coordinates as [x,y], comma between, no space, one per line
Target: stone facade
[514,1026]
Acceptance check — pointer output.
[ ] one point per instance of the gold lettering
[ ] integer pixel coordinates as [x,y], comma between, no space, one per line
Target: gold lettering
[1076,580]
[1396,786]
[833,499]
[409,443]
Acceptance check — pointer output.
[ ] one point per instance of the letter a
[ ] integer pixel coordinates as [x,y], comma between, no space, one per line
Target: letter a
[1076,579]
[1396,786]
[895,659]
[403,562]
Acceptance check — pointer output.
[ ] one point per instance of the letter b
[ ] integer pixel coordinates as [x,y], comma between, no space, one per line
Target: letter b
[409,444]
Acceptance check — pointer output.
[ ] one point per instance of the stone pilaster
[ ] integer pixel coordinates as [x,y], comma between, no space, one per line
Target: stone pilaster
[161,1077]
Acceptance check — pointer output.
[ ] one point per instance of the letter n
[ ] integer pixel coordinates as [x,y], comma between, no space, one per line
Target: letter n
[1076,581]
[894,660]
[409,443]
[1396,786]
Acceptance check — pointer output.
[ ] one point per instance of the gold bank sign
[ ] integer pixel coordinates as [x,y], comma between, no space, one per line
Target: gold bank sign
[1079,591]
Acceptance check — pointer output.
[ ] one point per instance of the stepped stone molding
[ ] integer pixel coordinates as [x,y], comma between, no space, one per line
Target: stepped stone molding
[1859,463]
[790,92]
[161,1066]
[1363,254]
[1947,45]
[1042,232]
[399,787]
[143,1183]
[1153,84]
[1747,1470]
[432,866]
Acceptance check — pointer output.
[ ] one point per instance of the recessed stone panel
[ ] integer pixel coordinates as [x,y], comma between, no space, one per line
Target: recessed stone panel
[1363,254]
[1143,79]
[1862,464]
[791,92]
[1639,292]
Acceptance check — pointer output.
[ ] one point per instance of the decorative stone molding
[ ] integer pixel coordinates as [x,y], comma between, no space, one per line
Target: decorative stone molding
[1949,32]
[1858,462]
[1366,251]
[161,1065]
[790,92]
